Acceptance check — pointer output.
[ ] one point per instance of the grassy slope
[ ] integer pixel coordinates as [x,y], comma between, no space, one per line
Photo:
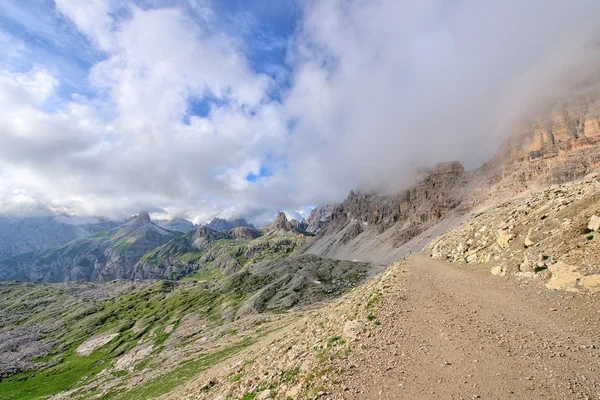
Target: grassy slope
[152,307]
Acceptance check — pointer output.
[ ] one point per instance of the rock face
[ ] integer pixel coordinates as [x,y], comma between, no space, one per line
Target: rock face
[177,225]
[544,234]
[369,226]
[560,145]
[281,226]
[99,258]
[300,225]
[223,225]
[24,235]
[319,217]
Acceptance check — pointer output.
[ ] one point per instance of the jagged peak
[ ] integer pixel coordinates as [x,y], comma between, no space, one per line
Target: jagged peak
[144,217]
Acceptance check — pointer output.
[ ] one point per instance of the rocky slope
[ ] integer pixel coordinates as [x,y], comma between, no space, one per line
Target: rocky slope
[319,217]
[550,234]
[206,251]
[126,340]
[372,226]
[98,258]
[223,225]
[27,234]
[422,329]
[560,145]
[176,224]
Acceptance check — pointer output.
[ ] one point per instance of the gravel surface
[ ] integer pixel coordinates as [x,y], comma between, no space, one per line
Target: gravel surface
[462,333]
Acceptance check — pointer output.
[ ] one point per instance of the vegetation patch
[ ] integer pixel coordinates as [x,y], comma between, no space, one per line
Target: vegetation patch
[169,381]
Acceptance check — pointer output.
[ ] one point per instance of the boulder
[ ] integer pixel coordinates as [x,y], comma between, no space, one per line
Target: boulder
[594,224]
[504,239]
[498,270]
[564,277]
[591,283]
[352,330]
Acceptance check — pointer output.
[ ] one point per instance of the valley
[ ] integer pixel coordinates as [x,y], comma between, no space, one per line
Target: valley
[468,284]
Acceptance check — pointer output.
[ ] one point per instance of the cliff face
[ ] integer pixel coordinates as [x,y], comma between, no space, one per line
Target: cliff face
[369,226]
[560,145]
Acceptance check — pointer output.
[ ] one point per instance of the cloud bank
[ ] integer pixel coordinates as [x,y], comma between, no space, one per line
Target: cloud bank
[181,114]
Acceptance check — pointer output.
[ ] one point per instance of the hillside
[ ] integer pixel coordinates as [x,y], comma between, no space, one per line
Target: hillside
[130,340]
[559,146]
[277,313]
[101,257]
[20,235]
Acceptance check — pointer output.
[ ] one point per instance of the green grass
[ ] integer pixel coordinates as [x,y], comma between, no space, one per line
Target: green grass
[74,370]
[186,371]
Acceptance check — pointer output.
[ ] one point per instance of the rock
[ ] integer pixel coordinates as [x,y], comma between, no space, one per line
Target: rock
[591,283]
[498,270]
[504,239]
[293,391]
[306,365]
[564,277]
[594,224]
[264,395]
[128,360]
[86,348]
[352,330]
[471,258]
[143,217]
[526,265]
[528,242]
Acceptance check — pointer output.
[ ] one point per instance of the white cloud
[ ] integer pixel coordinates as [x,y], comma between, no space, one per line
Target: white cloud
[92,17]
[378,88]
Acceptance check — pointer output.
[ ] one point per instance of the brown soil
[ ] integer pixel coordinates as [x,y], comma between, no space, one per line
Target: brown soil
[461,333]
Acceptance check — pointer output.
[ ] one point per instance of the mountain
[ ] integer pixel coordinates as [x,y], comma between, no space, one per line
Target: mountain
[98,258]
[20,235]
[300,225]
[223,225]
[176,224]
[209,251]
[560,145]
[281,226]
[319,217]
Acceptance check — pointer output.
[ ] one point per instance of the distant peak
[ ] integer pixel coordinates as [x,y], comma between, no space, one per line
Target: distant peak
[144,217]
[281,222]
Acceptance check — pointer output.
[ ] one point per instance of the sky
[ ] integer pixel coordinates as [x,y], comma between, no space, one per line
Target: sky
[241,108]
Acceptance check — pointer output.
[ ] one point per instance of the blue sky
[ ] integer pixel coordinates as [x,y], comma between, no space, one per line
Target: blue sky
[52,41]
[241,108]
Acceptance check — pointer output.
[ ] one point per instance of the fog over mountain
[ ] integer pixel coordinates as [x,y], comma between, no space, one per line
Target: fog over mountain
[208,109]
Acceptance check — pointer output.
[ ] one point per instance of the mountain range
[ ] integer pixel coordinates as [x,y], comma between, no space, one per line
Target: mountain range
[141,309]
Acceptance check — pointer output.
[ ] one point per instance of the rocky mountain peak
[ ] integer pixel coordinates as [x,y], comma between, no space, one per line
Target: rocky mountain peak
[281,222]
[223,225]
[144,217]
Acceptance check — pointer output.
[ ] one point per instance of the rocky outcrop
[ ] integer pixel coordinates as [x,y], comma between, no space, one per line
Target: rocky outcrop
[99,258]
[319,217]
[20,235]
[177,225]
[223,225]
[543,235]
[368,226]
[281,226]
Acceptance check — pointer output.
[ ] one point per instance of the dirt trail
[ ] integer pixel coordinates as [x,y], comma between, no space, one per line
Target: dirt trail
[462,333]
